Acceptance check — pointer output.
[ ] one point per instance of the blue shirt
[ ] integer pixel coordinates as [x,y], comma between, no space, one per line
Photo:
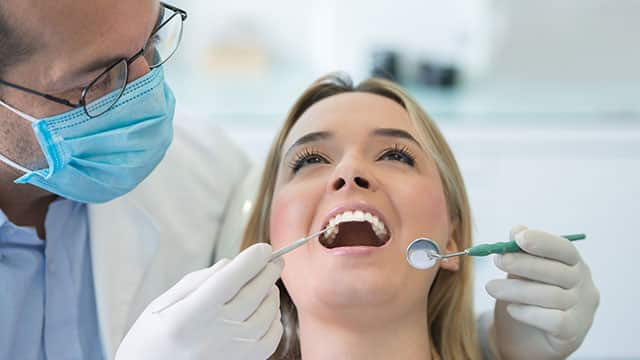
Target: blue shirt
[47,302]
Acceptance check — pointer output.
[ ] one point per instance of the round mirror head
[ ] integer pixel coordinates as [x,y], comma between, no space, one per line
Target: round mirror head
[420,253]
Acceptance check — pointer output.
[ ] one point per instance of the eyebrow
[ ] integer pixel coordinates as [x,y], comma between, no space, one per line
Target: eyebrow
[308,138]
[324,135]
[397,133]
[103,63]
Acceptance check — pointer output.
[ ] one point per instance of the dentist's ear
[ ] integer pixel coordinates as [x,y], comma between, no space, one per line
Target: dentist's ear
[453,263]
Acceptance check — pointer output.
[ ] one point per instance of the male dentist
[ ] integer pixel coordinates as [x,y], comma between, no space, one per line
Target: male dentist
[97,234]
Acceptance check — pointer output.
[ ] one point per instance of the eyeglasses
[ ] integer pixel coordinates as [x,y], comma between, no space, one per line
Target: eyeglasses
[161,46]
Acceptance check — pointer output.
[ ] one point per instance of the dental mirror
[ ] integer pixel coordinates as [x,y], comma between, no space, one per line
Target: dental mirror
[422,253]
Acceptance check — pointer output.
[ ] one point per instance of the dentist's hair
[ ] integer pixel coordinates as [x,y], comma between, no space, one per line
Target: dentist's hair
[451,321]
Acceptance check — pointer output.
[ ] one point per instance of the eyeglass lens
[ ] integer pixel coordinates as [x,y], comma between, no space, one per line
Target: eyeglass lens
[160,47]
[164,42]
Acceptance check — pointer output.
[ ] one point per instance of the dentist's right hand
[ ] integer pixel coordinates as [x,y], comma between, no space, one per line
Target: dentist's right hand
[228,311]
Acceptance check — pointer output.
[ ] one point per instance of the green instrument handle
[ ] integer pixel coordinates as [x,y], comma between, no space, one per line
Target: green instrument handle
[509,246]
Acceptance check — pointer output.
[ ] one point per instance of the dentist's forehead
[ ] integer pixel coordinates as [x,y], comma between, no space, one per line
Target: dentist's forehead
[348,112]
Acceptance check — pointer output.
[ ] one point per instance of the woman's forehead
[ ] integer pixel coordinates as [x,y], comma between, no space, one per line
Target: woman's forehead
[349,114]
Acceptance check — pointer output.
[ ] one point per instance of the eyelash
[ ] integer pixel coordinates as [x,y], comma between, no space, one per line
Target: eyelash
[408,157]
[303,156]
[306,154]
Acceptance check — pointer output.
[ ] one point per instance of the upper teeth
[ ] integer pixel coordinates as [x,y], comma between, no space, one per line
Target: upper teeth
[355,216]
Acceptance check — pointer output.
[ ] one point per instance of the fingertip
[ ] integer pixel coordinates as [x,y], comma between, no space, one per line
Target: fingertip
[264,248]
[491,288]
[517,311]
[271,339]
[507,262]
[261,251]
[522,240]
[511,310]
[279,263]
[275,267]
[220,264]
[516,230]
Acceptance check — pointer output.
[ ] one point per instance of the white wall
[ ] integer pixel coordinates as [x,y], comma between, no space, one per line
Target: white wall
[576,40]
[569,180]
[318,36]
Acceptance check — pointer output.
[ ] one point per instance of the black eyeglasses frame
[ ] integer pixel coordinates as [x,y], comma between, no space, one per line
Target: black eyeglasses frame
[82,102]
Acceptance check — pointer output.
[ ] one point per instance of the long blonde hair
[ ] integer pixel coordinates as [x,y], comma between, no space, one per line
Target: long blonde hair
[450,309]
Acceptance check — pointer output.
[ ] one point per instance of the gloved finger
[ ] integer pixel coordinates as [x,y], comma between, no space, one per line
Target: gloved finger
[515,230]
[532,293]
[228,281]
[557,323]
[252,294]
[187,285]
[547,245]
[269,342]
[539,269]
[260,321]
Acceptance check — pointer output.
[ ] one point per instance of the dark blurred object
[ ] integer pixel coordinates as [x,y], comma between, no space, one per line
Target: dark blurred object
[437,75]
[385,65]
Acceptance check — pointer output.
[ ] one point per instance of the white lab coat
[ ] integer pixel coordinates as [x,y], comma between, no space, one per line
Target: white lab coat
[144,242]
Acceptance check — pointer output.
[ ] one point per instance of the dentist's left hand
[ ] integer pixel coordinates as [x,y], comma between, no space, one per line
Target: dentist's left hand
[228,311]
[546,306]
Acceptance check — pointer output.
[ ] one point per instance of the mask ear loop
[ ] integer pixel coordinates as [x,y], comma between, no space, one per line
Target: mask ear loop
[27,117]
[13,164]
[18,112]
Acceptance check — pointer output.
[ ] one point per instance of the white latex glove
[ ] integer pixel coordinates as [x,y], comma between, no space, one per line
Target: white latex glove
[228,311]
[546,305]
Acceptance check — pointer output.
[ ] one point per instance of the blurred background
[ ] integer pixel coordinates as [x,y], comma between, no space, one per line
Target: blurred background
[540,101]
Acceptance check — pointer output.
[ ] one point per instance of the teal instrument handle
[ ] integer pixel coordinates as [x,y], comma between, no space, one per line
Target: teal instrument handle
[509,246]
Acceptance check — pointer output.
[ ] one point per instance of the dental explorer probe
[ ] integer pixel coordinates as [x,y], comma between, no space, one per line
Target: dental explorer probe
[296,244]
[423,253]
[274,256]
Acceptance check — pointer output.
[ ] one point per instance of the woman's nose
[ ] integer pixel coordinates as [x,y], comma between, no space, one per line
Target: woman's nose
[357,181]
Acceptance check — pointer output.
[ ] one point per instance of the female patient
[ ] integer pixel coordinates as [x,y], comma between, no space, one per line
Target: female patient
[368,159]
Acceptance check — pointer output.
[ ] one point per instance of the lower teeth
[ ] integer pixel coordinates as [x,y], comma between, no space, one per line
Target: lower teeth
[330,236]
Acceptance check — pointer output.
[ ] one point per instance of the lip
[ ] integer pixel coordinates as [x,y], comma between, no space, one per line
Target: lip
[354,250]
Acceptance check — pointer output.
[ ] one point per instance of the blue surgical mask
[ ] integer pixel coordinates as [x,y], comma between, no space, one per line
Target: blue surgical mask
[94,160]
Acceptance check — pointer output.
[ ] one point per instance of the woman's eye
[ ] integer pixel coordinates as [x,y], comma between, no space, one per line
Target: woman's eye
[305,159]
[398,154]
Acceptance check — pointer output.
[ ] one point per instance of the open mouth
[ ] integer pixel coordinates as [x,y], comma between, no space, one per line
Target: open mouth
[355,228]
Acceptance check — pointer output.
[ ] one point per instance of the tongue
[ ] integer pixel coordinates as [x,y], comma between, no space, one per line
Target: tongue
[356,234]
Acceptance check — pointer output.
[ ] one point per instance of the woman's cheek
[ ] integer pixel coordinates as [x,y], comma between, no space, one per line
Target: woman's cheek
[425,214]
[291,216]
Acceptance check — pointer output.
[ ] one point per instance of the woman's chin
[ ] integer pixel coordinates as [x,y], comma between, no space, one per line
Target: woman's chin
[354,290]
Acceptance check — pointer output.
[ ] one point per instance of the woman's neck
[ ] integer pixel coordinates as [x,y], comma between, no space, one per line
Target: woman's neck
[404,338]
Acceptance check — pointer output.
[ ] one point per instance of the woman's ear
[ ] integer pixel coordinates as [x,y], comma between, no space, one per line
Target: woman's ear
[453,263]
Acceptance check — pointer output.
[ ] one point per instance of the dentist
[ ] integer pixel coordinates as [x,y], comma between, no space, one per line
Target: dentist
[85,116]
[100,240]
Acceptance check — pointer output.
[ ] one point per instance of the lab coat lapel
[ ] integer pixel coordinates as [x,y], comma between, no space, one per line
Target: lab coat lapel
[124,240]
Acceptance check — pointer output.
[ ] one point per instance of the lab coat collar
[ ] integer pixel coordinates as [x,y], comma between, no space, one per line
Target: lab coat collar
[124,240]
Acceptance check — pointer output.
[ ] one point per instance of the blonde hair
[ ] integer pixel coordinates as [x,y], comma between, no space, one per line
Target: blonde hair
[450,310]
